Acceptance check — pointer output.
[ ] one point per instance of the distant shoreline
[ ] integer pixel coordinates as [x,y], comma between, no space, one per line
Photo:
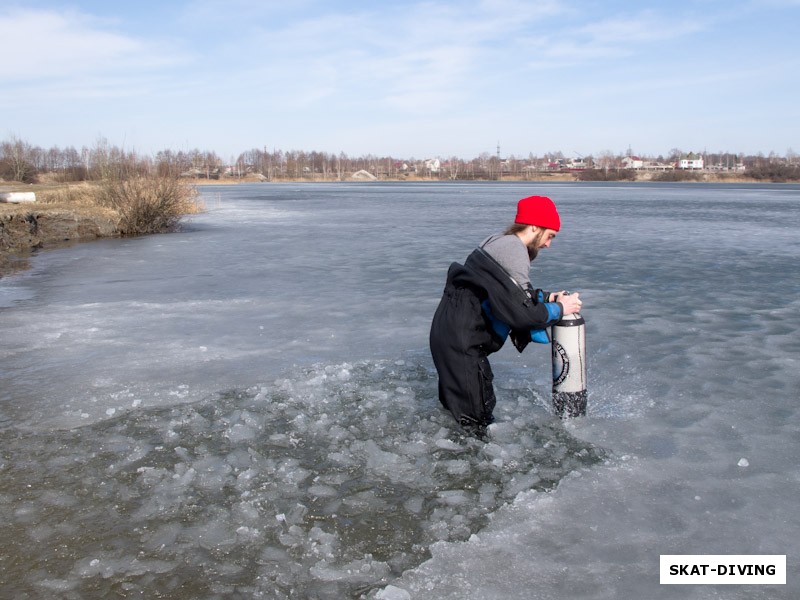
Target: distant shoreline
[27,228]
[539,178]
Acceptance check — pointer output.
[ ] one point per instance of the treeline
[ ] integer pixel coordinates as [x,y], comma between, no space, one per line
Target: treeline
[20,161]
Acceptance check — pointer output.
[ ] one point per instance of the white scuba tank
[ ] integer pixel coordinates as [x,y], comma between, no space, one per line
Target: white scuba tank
[569,366]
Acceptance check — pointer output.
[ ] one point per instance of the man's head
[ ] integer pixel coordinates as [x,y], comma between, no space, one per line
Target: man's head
[536,223]
[539,211]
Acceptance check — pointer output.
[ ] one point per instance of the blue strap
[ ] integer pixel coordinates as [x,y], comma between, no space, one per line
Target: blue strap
[540,336]
[500,328]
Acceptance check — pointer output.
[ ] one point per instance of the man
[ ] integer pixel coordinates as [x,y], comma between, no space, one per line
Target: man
[487,299]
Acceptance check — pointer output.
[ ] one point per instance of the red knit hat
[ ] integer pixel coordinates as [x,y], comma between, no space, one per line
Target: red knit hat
[539,211]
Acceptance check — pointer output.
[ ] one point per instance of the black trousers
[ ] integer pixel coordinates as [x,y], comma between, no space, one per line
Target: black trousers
[470,399]
[465,376]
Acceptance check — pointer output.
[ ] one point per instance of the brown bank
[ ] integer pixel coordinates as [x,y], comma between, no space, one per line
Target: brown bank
[26,228]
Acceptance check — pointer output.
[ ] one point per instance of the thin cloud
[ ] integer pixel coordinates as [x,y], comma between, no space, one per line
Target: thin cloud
[418,57]
[216,13]
[608,38]
[70,44]
[644,28]
[776,3]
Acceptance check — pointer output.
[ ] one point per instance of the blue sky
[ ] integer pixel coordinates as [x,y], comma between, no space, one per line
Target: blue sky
[407,79]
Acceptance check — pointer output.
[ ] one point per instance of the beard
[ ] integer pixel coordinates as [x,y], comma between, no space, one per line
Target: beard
[535,245]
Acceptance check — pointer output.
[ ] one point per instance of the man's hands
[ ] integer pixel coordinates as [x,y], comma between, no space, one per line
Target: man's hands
[571,302]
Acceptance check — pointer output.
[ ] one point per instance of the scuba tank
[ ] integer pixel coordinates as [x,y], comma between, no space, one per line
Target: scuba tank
[569,366]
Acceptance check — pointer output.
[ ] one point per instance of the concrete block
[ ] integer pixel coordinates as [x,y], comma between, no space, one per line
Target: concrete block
[17,197]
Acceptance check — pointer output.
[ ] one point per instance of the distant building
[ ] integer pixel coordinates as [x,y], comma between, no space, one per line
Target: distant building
[632,162]
[691,162]
[433,165]
[577,164]
[657,166]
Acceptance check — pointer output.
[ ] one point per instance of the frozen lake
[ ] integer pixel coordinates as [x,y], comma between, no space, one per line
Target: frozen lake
[247,408]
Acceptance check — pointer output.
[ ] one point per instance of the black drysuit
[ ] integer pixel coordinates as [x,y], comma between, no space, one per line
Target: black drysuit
[463,334]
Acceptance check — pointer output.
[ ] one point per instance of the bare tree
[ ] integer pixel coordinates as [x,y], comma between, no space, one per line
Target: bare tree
[606,160]
[16,161]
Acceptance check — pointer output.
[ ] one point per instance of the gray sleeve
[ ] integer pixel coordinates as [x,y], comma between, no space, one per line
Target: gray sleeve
[511,253]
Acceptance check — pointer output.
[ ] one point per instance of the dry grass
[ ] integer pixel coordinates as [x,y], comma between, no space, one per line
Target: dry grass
[72,194]
[78,198]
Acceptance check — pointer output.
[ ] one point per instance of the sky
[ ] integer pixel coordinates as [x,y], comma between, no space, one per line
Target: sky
[408,79]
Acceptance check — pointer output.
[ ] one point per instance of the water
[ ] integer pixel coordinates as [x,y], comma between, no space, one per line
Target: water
[247,408]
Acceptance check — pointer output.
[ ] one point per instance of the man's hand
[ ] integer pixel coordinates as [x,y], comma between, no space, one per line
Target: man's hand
[571,302]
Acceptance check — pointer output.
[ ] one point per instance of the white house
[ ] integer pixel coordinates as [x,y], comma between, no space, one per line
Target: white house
[433,165]
[632,162]
[691,162]
[578,164]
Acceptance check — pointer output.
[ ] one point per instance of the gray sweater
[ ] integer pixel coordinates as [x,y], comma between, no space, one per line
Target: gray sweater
[511,253]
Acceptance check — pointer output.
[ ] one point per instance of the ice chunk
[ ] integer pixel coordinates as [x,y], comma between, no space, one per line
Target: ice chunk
[414,504]
[322,490]
[388,464]
[57,585]
[445,444]
[213,472]
[240,433]
[455,467]
[248,534]
[218,533]
[453,497]
[296,515]
[391,592]
[362,570]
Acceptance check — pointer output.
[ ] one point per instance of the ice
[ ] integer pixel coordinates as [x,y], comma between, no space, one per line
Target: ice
[232,411]
[323,491]
[446,444]
[351,518]
[391,592]
[57,585]
[454,497]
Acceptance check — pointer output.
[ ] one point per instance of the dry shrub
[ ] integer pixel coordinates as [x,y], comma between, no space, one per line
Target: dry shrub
[607,175]
[679,175]
[149,204]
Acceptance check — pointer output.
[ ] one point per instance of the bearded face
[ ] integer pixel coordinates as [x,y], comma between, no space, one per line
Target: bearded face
[537,243]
